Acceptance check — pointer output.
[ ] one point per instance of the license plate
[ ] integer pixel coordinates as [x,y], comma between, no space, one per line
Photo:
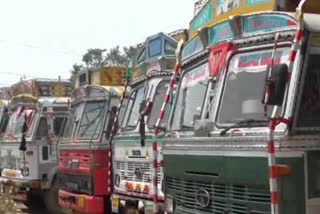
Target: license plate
[148,208]
[81,201]
[115,204]
[133,211]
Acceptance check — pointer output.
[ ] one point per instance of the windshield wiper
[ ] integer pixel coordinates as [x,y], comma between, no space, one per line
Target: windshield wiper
[242,123]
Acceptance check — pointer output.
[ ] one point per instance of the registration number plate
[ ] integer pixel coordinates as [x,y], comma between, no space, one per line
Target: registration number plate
[10,173]
[115,204]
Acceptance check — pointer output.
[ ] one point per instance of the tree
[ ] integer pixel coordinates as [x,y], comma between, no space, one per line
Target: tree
[115,57]
[94,58]
[76,68]
[130,54]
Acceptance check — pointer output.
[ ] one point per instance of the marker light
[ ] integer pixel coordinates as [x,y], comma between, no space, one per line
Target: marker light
[129,186]
[146,189]
[138,187]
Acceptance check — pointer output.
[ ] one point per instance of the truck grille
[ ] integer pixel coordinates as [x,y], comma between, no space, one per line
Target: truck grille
[224,198]
[127,171]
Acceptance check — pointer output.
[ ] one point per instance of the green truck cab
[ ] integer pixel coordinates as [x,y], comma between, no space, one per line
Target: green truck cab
[216,158]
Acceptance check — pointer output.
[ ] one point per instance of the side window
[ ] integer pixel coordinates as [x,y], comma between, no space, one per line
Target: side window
[142,56]
[169,48]
[42,130]
[59,125]
[155,47]
[309,114]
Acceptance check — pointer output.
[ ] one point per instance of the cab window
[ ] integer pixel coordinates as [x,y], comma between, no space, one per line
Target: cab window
[58,125]
[42,130]
[309,112]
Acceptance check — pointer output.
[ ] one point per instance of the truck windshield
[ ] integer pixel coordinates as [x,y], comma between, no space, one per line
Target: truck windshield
[244,86]
[157,104]
[91,124]
[73,120]
[309,113]
[17,119]
[132,113]
[191,97]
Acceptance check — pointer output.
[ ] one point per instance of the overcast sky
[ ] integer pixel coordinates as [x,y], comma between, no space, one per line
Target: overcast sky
[44,38]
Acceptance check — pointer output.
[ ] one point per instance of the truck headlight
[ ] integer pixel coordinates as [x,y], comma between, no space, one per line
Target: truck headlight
[169,204]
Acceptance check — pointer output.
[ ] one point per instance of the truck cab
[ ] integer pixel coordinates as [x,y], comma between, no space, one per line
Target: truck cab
[221,166]
[29,146]
[132,147]
[84,150]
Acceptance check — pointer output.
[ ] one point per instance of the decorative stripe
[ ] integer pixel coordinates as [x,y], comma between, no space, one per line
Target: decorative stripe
[271,149]
[274,198]
[161,114]
[272,172]
[299,35]
[292,56]
[167,99]
[172,82]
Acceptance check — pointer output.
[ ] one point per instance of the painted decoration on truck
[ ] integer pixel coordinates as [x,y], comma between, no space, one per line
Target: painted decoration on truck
[256,59]
[255,2]
[220,32]
[193,47]
[193,77]
[224,6]
[203,19]
[260,24]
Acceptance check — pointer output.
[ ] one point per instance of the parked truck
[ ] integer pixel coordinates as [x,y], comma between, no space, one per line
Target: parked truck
[238,155]
[29,142]
[132,147]
[84,151]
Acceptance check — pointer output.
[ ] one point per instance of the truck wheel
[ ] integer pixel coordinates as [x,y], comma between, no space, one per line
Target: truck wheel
[51,199]
[34,200]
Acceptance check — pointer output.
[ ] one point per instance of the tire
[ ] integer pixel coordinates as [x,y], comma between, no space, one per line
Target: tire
[34,200]
[51,199]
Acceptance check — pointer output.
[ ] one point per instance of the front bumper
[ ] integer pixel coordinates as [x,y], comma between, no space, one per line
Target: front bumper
[81,203]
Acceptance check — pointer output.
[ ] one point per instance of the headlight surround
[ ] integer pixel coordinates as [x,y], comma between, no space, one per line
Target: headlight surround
[169,204]
[25,171]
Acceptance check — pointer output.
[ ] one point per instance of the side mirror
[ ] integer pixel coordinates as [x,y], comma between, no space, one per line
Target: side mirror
[145,107]
[142,106]
[277,84]
[196,117]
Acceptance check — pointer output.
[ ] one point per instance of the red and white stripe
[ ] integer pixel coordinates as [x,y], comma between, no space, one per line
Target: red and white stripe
[157,130]
[274,193]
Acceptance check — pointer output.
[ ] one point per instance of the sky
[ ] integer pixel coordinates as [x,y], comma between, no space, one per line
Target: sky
[44,38]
